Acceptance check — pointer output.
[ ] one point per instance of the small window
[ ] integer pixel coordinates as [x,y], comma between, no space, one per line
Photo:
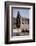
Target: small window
[22,23]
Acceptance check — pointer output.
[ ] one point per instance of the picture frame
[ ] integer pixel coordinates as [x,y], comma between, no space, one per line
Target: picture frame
[27,10]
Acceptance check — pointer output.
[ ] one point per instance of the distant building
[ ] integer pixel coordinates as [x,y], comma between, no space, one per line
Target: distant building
[24,23]
[14,23]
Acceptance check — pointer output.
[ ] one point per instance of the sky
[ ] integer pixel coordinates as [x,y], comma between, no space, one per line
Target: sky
[23,12]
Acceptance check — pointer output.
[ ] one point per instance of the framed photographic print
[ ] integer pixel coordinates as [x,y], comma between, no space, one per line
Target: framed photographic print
[19,22]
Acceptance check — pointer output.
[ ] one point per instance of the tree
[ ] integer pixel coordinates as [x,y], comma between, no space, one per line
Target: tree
[18,20]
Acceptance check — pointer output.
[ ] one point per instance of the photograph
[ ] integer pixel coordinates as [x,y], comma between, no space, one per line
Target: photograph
[20,21]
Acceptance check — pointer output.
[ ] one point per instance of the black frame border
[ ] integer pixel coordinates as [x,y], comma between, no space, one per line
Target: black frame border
[7,3]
